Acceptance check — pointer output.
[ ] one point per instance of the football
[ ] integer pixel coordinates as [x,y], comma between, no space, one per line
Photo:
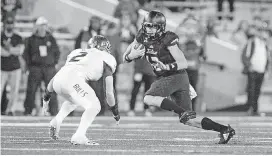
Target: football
[139,46]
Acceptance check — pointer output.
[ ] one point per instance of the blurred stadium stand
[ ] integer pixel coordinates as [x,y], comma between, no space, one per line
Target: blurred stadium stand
[219,87]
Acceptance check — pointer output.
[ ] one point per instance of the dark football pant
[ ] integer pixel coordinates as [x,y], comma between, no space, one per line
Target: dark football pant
[220,8]
[193,79]
[147,80]
[175,87]
[35,77]
[4,100]
[255,81]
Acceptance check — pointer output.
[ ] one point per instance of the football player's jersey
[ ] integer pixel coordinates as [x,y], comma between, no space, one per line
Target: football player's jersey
[91,63]
[158,49]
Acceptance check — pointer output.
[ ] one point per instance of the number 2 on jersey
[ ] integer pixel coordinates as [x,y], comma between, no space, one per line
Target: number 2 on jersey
[78,57]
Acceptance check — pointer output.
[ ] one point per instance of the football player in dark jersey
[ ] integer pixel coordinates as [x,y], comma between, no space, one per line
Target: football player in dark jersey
[171,89]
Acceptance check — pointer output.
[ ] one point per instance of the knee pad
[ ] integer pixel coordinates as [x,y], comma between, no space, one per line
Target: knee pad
[147,99]
[153,100]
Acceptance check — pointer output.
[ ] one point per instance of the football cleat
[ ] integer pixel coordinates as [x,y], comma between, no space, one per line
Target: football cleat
[82,140]
[187,115]
[226,135]
[117,118]
[88,143]
[53,133]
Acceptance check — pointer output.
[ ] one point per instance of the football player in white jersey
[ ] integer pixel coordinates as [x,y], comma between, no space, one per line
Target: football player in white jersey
[70,82]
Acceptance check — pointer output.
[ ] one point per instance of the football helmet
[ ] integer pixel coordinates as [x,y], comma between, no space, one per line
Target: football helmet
[154,19]
[100,42]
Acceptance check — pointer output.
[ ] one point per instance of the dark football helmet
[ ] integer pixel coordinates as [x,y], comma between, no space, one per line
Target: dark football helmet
[100,42]
[154,19]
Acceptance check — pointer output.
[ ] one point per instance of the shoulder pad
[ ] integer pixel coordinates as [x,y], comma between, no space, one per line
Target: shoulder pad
[170,38]
[140,36]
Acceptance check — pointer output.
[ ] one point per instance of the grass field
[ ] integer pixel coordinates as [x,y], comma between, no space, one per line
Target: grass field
[135,135]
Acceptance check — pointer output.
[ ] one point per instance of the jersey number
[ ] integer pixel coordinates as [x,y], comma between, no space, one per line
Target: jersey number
[78,57]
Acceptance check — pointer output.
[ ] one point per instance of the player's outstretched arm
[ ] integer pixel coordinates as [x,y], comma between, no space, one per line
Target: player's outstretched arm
[46,98]
[133,51]
[110,91]
[111,98]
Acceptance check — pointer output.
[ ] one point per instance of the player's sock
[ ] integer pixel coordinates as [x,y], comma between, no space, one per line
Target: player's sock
[208,124]
[171,106]
[86,120]
[114,110]
[64,111]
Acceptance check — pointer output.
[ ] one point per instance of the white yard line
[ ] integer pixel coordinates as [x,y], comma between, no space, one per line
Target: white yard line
[70,149]
[125,118]
[43,125]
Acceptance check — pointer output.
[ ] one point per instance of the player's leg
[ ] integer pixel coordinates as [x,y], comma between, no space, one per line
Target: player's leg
[182,97]
[160,90]
[61,87]
[225,132]
[87,98]
[66,108]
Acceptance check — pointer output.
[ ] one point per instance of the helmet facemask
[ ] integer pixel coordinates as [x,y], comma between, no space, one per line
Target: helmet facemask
[153,31]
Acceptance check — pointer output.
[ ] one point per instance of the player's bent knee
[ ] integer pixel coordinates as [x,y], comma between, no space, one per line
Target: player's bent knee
[97,106]
[147,99]
[153,100]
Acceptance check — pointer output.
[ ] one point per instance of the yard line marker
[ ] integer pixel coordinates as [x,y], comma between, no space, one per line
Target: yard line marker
[125,118]
[256,124]
[69,149]
[44,125]
[217,145]
[98,127]
[174,140]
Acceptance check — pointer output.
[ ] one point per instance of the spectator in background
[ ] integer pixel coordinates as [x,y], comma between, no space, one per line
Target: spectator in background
[240,35]
[220,9]
[11,51]
[87,33]
[9,8]
[192,34]
[4,100]
[41,55]
[255,58]
[146,5]
[127,7]
[143,73]
[113,35]
[211,23]
[128,30]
